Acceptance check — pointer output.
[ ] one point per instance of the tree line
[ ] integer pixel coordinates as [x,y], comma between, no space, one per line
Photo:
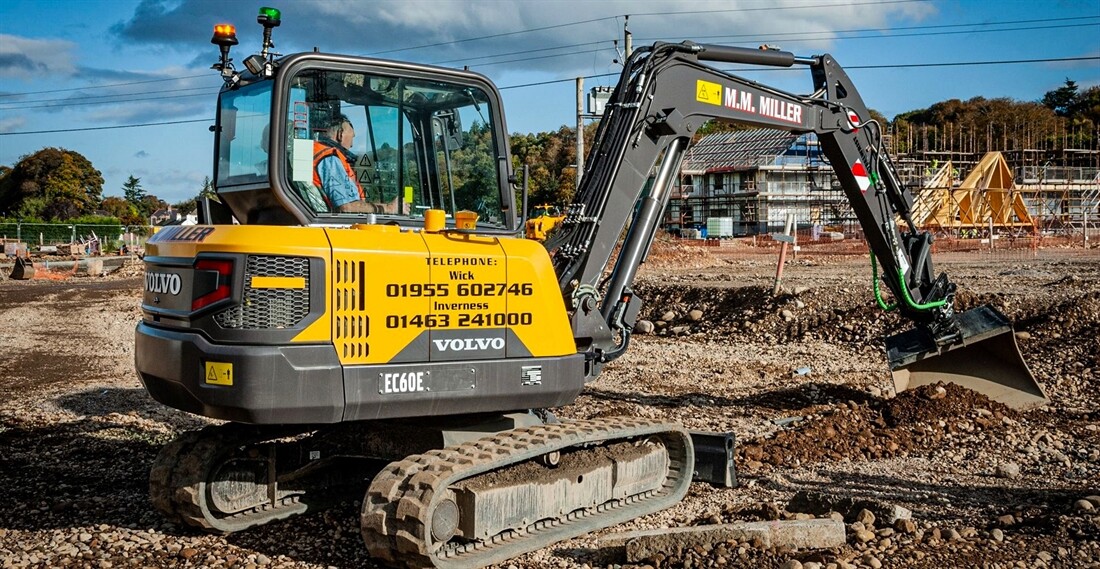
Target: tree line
[1065,118]
[55,184]
[60,185]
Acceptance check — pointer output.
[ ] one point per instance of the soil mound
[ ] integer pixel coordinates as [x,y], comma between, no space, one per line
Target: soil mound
[911,424]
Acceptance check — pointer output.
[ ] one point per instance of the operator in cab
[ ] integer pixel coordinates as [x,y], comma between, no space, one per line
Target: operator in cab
[333,172]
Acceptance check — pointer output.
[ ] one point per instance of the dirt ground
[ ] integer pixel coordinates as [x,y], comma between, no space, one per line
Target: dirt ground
[800,379]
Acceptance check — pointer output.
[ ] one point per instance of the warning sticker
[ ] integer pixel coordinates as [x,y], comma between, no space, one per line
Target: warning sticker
[219,373]
[707,92]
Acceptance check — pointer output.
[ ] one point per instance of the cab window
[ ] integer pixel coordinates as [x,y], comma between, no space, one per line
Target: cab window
[393,147]
[243,131]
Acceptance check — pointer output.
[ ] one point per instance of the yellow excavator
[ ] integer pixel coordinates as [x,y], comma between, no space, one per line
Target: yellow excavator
[413,351]
[546,219]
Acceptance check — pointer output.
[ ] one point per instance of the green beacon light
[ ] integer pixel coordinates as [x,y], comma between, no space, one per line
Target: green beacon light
[269,17]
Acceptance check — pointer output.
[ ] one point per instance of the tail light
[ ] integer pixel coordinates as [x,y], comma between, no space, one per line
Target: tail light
[220,273]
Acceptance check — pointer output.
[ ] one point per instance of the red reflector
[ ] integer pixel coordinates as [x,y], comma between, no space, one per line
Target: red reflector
[224,268]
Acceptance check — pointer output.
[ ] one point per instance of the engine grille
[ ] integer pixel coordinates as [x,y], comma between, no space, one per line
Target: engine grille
[266,308]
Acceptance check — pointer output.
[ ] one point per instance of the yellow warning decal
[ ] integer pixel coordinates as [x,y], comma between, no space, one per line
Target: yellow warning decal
[707,92]
[278,282]
[219,373]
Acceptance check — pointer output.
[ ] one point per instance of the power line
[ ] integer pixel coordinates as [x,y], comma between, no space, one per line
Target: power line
[571,79]
[132,94]
[800,38]
[933,27]
[889,66]
[961,63]
[102,85]
[577,23]
[492,36]
[573,46]
[114,102]
[210,120]
[775,34]
[778,8]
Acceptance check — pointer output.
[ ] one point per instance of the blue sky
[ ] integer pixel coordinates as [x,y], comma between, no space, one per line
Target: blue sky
[82,64]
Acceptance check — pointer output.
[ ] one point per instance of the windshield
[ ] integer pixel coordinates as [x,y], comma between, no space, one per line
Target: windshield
[363,144]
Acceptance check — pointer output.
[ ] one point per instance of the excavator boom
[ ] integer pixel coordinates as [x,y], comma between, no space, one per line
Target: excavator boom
[665,93]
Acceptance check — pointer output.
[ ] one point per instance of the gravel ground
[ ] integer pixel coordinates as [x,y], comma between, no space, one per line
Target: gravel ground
[800,379]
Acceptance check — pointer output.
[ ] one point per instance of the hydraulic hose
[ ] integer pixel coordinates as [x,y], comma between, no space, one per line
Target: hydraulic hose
[909,303]
[874,284]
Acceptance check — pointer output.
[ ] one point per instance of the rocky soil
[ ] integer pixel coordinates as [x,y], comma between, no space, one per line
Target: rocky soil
[800,378]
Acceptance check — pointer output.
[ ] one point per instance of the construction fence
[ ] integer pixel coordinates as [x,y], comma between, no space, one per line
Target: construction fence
[811,244]
[70,238]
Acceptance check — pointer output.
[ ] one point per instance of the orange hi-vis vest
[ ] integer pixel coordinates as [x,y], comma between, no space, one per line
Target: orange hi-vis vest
[322,151]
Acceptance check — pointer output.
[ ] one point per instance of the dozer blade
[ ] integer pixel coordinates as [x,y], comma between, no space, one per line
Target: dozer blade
[986,359]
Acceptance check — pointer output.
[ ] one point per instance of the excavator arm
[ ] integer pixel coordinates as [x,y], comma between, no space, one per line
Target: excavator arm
[665,93]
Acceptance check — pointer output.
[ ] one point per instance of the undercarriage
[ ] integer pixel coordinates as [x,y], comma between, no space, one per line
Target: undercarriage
[450,497]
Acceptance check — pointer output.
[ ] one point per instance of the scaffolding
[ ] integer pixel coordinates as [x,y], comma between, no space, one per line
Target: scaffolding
[987,198]
[1037,199]
[755,178]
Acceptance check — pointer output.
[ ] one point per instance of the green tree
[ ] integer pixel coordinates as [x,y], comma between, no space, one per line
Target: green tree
[475,171]
[186,207]
[133,191]
[1062,99]
[551,159]
[125,211]
[32,210]
[149,205]
[977,125]
[1087,105]
[53,183]
[207,190]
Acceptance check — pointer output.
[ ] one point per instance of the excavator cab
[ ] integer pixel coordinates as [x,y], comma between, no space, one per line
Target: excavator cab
[418,139]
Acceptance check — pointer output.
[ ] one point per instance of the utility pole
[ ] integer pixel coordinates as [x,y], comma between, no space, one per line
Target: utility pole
[627,39]
[628,42]
[580,130]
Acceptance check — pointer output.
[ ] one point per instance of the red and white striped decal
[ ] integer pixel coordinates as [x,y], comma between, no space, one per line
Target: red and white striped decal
[862,180]
[853,121]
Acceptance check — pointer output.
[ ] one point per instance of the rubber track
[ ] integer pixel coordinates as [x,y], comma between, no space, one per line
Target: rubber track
[398,506]
[178,478]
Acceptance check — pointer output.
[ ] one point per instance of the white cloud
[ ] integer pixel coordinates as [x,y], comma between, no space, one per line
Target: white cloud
[28,58]
[171,185]
[367,27]
[152,111]
[12,124]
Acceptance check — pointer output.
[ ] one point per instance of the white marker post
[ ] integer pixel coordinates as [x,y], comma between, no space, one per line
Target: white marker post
[784,238]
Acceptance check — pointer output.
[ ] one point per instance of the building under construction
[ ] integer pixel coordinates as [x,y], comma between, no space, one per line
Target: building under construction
[747,182]
[750,180]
